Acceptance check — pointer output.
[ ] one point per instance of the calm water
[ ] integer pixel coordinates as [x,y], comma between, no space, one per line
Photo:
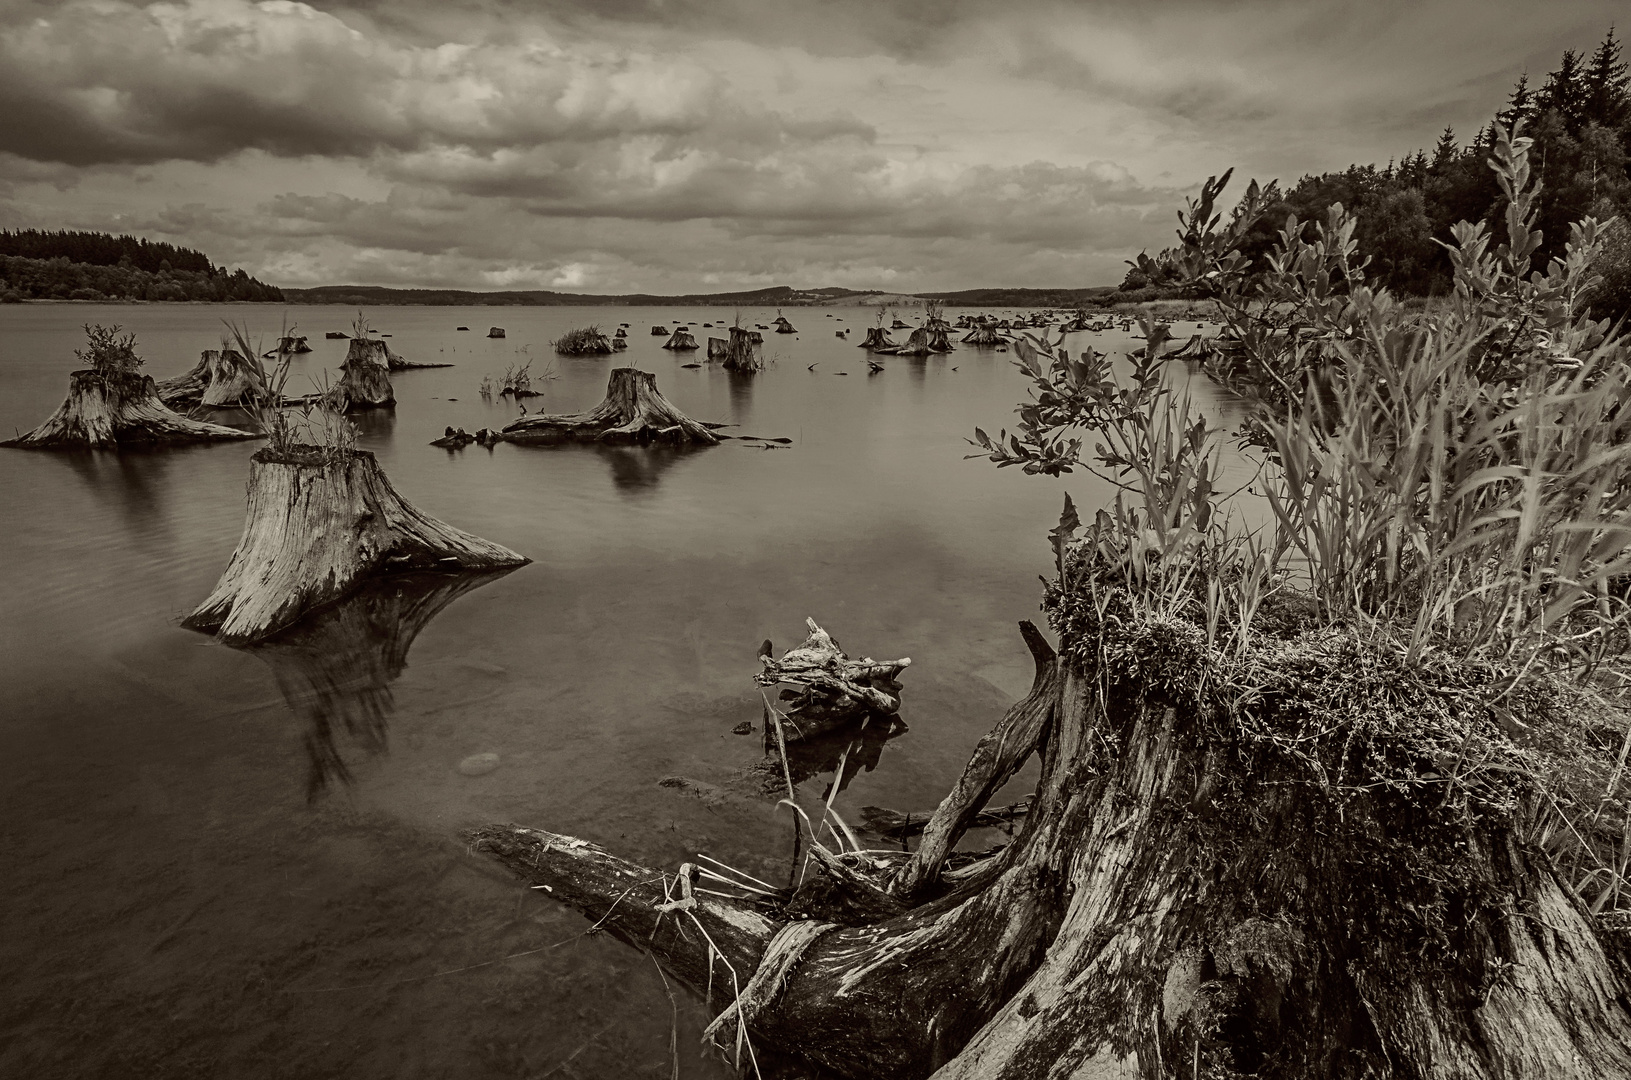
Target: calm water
[186,893]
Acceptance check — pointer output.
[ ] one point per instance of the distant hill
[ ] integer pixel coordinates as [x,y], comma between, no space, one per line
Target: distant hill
[781,295]
[38,265]
[373,294]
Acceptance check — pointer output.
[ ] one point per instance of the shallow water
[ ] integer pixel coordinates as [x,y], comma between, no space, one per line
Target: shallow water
[248,863]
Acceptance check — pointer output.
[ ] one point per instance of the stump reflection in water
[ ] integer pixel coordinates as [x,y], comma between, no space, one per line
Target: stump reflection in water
[335,668]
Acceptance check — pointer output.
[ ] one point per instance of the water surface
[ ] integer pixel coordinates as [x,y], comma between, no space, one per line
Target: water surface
[248,863]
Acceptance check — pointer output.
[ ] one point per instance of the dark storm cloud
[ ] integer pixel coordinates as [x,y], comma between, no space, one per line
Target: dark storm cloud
[623,144]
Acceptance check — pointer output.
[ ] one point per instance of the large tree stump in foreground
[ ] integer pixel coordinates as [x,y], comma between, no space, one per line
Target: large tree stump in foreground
[222,379]
[119,408]
[320,522]
[634,411]
[1195,891]
[335,668]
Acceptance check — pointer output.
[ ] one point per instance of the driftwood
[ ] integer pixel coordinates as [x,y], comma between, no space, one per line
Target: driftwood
[222,379]
[458,438]
[319,522]
[899,825]
[681,341]
[118,408]
[335,667]
[634,411]
[1161,913]
[833,690]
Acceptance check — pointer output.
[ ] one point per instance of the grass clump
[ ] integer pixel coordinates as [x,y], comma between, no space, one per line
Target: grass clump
[584,341]
[108,352]
[1435,618]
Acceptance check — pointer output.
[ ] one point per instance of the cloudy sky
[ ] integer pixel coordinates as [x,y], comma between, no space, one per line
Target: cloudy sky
[704,145]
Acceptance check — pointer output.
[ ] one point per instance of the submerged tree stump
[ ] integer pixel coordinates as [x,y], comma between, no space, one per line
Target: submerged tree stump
[365,379]
[681,341]
[833,690]
[876,338]
[1182,898]
[372,352]
[319,522]
[634,411]
[222,379]
[119,408]
[335,668]
[922,342]
[742,353]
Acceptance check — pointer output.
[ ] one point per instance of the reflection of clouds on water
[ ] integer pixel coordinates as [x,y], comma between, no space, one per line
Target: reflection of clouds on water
[335,667]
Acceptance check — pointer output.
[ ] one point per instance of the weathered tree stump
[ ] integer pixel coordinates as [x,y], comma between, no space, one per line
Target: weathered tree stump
[718,349]
[118,408]
[365,379]
[681,341]
[876,338]
[983,334]
[923,341]
[659,331]
[742,353]
[833,690]
[783,326]
[375,353]
[495,331]
[335,668]
[222,379]
[291,345]
[634,411]
[1180,899]
[319,522]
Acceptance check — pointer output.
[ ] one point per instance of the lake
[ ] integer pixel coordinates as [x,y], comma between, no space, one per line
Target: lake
[248,862]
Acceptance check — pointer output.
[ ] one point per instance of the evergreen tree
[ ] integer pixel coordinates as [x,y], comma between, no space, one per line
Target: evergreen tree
[1606,83]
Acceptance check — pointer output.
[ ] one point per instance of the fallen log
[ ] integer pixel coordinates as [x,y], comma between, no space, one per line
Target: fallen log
[319,522]
[633,411]
[832,690]
[112,404]
[222,379]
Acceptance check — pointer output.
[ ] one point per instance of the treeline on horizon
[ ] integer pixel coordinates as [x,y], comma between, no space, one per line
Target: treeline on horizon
[1580,121]
[40,265]
[359,295]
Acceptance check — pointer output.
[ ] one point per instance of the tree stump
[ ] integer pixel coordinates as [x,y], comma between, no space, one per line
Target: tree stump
[983,334]
[718,349]
[681,341]
[923,342]
[365,379]
[833,690]
[877,338]
[319,523]
[742,353]
[222,379]
[1181,899]
[374,353]
[119,408]
[634,411]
